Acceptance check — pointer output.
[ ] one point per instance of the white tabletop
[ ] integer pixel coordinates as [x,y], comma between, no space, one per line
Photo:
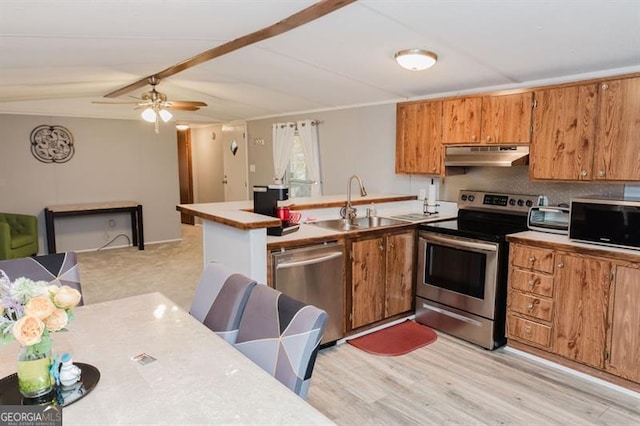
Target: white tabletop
[197,378]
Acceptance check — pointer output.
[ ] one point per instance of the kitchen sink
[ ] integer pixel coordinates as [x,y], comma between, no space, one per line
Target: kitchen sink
[358,223]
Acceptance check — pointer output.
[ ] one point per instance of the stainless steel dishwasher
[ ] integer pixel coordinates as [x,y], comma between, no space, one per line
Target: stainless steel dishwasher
[314,275]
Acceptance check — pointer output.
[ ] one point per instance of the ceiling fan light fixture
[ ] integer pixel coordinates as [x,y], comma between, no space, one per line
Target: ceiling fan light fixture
[415,59]
[149,115]
[165,115]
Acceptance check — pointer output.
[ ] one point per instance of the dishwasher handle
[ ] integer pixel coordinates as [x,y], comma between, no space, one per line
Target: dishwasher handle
[311,261]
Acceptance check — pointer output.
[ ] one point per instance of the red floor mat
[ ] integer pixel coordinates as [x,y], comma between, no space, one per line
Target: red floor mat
[395,340]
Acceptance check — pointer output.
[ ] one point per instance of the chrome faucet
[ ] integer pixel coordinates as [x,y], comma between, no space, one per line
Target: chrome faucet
[348,212]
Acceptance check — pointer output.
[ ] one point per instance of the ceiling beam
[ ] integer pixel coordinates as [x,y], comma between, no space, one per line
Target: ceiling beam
[289,23]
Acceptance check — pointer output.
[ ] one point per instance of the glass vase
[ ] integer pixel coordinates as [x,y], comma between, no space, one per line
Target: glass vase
[34,364]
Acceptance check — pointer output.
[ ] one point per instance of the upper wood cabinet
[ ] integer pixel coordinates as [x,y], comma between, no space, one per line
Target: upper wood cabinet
[495,119]
[587,132]
[461,120]
[563,133]
[617,153]
[419,138]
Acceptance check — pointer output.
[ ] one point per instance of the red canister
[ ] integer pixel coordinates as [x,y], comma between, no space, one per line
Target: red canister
[283,213]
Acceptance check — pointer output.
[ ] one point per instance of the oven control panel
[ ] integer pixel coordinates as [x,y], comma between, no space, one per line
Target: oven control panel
[496,201]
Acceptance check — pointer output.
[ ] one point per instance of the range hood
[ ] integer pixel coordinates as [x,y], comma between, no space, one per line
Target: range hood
[491,156]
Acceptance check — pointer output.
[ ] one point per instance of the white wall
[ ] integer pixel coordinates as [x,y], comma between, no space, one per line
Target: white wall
[352,141]
[362,141]
[114,160]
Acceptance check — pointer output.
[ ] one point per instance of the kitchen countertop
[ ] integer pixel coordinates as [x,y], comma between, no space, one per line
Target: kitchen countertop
[555,241]
[310,234]
[238,214]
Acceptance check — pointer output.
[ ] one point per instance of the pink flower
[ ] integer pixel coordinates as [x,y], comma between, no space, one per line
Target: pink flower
[28,330]
[57,320]
[40,307]
[66,297]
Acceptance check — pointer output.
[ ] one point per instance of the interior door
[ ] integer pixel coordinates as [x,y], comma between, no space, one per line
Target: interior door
[185,173]
[234,154]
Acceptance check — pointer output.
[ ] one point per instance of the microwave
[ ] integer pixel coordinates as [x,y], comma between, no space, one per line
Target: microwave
[612,222]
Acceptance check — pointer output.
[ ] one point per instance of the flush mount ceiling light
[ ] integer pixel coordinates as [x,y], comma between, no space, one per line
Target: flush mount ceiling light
[416,59]
[182,127]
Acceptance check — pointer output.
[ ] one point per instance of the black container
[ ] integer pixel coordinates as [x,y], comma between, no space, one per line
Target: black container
[265,198]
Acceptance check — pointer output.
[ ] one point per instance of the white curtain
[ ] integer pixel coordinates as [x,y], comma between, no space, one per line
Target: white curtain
[283,134]
[308,133]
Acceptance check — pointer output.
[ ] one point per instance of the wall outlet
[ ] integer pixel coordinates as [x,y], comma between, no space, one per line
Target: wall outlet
[422,194]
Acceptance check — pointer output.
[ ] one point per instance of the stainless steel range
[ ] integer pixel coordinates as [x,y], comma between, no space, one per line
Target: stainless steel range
[463,266]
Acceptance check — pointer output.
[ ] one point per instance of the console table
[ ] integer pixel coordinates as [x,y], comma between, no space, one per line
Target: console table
[132,207]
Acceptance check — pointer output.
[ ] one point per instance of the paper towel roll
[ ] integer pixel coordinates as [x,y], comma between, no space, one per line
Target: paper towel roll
[431,199]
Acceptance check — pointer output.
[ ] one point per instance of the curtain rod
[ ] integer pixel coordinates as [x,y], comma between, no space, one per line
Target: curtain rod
[295,125]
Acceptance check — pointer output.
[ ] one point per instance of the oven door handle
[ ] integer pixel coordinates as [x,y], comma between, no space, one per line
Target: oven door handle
[456,243]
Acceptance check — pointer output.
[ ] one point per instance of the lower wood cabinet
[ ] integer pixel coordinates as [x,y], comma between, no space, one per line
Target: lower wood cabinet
[580,307]
[381,277]
[623,355]
[581,299]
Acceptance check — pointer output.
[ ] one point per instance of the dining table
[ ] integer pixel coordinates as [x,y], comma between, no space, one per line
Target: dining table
[159,365]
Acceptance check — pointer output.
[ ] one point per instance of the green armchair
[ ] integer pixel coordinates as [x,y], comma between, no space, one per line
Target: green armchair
[18,235]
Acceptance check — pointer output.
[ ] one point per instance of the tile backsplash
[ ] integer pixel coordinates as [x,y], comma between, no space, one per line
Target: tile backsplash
[516,180]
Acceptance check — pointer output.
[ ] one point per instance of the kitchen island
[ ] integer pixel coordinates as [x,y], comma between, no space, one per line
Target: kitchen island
[237,237]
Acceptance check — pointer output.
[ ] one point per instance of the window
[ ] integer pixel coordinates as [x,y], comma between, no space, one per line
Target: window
[299,184]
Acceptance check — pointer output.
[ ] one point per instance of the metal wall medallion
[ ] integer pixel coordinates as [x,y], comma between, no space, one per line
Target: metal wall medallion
[52,144]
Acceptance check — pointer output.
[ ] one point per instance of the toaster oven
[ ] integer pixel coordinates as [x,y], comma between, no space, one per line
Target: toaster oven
[549,219]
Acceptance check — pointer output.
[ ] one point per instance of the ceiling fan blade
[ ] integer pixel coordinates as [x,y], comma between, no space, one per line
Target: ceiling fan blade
[116,103]
[183,107]
[187,103]
[311,13]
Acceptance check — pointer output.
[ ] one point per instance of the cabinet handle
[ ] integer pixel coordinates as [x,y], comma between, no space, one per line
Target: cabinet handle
[583,173]
[530,307]
[381,247]
[604,86]
[474,138]
[560,265]
[601,173]
[527,329]
[531,283]
[532,259]
[433,169]
[391,245]
[488,138]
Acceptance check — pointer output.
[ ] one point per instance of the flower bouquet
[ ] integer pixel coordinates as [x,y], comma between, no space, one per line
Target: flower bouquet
[29,312]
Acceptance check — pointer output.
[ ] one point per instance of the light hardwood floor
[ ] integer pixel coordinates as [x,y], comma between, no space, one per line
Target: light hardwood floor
[447,382]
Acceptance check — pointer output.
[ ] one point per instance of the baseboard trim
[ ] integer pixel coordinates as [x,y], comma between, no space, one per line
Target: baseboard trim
[127,245]
[571,371]
[376,328]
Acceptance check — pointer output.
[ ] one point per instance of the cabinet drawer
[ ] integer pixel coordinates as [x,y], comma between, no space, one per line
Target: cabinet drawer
[537,259]
[529,331]
[531,282]
[530,305]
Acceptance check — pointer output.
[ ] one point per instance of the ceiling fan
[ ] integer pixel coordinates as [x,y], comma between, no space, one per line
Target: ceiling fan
[156,106]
